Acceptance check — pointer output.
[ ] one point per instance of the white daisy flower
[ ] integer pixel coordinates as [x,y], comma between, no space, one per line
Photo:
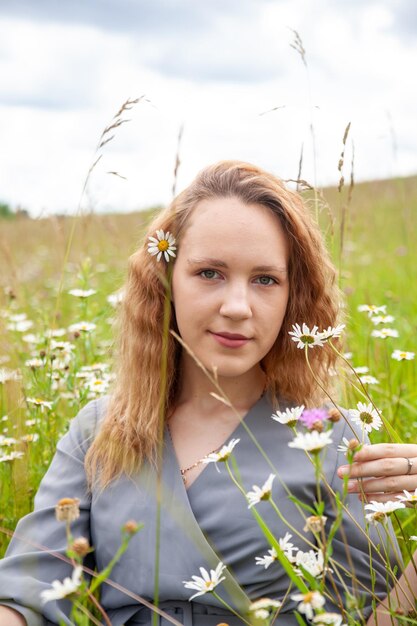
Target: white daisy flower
[312,441]
[31,338]
[308,602]
[348,445]
[366,416]
[382,319]
[31,438]
[401,355]
[384,333]
[6,375]
[207,582]
[82,293]
[20,327]
[371,309]
[82,327]
[260,493]
[17,317]
[55,332]
[35,363]
[162,244]
[267,559]
[62,346]
[98,385]
[362,369]
[59,365]
[66,588]
[290,416]
[115,298]
[43,404]
[332,332]
[382,510]
[369,380]
[262,608]
[328,619]
[409,497]
[11,457]
[347,355]
[306,337]
[286,546]
[222,454]
[413,537]
[311,561]
[7,441]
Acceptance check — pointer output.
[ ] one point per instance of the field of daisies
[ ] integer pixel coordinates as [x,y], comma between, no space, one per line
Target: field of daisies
[60,286]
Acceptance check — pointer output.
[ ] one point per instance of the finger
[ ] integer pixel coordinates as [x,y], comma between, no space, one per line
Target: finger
[381,467]
[388,484]
[379,497]
[386,450]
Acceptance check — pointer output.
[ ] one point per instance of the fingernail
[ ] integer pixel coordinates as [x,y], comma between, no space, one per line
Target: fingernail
[343,470]
[351,484]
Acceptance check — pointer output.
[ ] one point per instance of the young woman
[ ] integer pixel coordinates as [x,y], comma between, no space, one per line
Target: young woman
[248,263]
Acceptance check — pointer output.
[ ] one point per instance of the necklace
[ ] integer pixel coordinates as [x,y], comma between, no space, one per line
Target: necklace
[184,470]
[187,469]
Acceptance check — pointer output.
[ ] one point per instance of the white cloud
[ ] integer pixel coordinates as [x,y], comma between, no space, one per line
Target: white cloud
[62,86]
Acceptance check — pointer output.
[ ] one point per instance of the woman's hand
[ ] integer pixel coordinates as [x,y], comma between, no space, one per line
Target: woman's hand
[385,470]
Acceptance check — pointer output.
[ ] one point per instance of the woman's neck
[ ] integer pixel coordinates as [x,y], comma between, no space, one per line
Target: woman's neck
[196,389]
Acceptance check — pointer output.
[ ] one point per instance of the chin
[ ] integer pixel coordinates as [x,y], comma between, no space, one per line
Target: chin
[229,370]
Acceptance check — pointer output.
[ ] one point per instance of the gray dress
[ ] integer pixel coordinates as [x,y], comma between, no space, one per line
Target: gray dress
[209,522]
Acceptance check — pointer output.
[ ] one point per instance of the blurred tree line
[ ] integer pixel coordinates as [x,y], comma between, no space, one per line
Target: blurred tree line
[6,212]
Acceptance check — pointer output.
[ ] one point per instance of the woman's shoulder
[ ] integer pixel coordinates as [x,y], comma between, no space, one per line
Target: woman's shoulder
[85,424]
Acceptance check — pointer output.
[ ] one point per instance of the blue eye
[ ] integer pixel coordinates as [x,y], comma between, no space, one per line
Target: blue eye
[209,274]
[266,280]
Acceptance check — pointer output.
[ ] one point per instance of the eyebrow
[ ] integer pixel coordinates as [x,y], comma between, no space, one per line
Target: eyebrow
[219,263]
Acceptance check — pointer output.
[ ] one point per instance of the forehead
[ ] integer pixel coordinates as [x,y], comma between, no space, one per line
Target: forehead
[229,226]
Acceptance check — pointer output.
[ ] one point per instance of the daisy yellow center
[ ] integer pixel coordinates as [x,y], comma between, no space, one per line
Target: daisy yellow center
[163,245]
[366,417]
[379,516]
[307,339]
[308,597]
[208,584]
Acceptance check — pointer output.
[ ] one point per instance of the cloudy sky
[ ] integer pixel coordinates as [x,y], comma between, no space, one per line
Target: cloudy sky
[224,69]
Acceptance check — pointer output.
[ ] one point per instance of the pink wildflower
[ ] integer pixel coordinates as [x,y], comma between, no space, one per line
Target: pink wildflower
[309,417]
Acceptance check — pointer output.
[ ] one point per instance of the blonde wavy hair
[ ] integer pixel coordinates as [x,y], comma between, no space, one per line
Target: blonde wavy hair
[131,429]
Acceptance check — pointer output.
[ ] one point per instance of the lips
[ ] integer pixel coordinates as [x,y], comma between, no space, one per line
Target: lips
[231,336]
[230,340]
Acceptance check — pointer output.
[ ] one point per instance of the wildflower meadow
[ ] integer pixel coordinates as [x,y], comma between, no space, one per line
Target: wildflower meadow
[61,283]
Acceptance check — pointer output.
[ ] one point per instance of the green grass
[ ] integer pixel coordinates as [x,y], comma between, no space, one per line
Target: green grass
[376,266]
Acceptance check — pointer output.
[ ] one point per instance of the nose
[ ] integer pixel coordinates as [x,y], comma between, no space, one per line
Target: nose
[235,302]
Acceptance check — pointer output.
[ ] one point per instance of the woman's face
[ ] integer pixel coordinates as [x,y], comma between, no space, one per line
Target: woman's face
[230,284]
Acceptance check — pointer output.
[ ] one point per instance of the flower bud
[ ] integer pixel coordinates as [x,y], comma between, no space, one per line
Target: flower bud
[67,510]
[318,426]
[334,415]
[315,523]
[81,546]
[131,527]
[353,444]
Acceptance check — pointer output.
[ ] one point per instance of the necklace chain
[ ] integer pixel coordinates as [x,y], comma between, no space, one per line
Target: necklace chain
[187,469]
